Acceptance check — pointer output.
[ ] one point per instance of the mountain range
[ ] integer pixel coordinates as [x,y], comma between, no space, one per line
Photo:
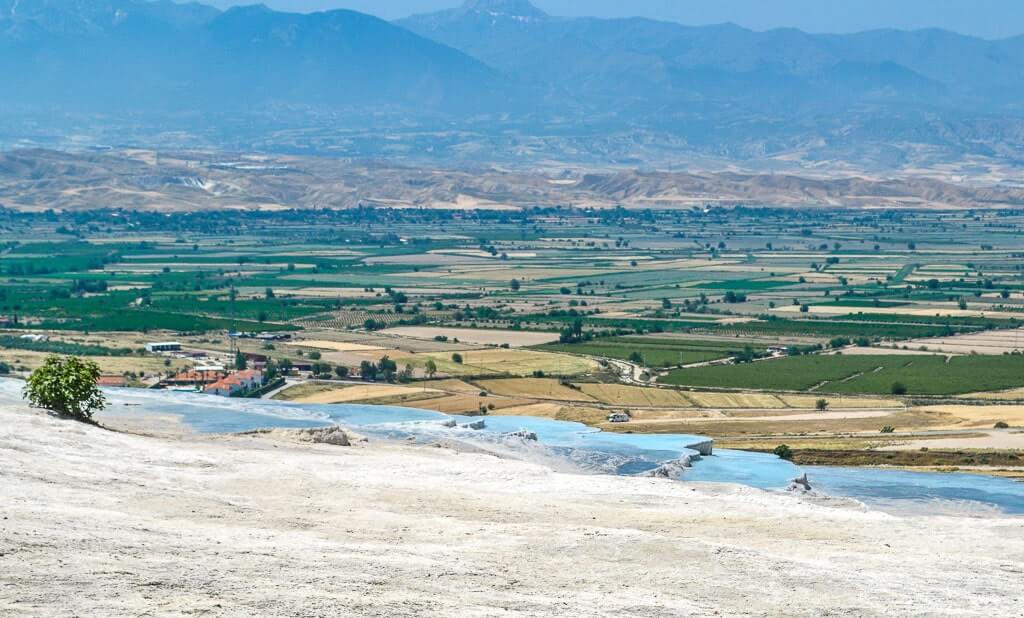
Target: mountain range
[502,65]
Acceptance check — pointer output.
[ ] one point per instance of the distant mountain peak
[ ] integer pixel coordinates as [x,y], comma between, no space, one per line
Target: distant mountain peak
[509,8]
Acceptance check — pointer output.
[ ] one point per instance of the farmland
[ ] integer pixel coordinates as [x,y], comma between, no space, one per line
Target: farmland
[654,352]
[561,312]
[875,374]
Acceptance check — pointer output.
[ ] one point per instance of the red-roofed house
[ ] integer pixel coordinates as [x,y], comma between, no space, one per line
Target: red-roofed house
[236,383]
[195,377]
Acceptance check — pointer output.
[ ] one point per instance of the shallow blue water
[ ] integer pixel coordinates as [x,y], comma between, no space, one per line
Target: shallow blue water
[584,447]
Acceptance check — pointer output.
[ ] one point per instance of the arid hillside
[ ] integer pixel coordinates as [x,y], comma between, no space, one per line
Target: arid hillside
[146,180]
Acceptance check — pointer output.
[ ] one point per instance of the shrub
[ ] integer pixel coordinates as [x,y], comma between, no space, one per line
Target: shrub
[1002,425]
[4,368]
[898,388]
[457,358]
[888,429]
[821,405]
[66,386]
[784,452]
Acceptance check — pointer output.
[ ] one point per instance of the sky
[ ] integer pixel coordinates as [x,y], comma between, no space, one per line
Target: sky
[985,18]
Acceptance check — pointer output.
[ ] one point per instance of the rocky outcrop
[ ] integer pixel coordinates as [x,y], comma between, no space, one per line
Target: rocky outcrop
[327,435]
[522,434]
[800,483]
[673,469]
[333,435]
[704,447]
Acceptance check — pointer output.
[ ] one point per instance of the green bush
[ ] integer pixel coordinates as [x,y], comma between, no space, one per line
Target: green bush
[784,452]
[66,386]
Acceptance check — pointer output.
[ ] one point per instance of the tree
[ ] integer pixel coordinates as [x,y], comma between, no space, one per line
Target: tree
[341,371]
[514,285]
[285,366]
[457,358]
[899,388]
[636,358]
[783,452]
[240,363]
[68,386]
[821,405]
[270,293]
[430,368]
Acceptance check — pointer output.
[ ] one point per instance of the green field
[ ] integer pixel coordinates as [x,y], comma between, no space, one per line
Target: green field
[655,352]
[869,375]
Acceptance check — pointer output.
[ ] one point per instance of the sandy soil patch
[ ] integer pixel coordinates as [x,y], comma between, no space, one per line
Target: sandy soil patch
[539,388]
[514,338]
[922,311]
[1003,440]
[873,351]
[248,526]
[988,342]
[327,292]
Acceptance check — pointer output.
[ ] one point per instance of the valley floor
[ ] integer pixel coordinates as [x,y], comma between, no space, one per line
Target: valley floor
[102,523]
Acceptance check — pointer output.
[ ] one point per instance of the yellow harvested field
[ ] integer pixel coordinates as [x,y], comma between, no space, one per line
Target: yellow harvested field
[923,311]
[314,292]
[109,365]
[498,362]
[736,400]
[338,346]
[454,386]
[463,403]
[622,395]
[542,410]
[959,416]
[360,393]
[840,403]
[514,338]
[988,342]
[539,388]
[1014,394]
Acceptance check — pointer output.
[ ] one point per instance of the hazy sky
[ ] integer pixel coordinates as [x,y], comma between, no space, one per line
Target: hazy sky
[985,18]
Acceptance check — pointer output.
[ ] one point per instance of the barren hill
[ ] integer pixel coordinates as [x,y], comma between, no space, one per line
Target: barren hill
[131,179]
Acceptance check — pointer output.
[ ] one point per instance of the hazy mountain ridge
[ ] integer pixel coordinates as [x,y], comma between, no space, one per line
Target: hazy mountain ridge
[499,80]
[614,57]
[130,55]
